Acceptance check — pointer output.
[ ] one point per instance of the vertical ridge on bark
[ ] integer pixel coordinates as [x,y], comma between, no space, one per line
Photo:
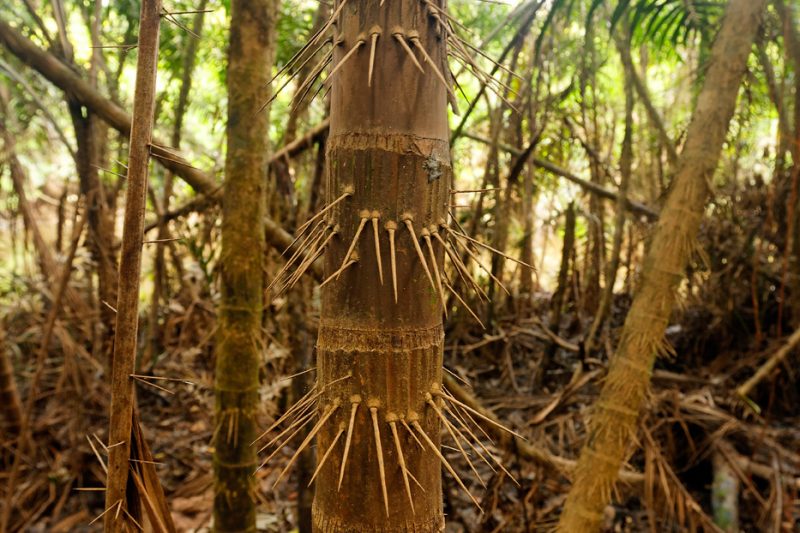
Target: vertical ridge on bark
[612,426]
[239,340]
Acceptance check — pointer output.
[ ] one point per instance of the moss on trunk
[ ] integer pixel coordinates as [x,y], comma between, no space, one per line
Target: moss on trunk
[239,340]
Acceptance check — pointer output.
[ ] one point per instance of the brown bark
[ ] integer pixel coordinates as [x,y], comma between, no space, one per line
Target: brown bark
[122,364]
[616,411]
[239,338]
[378,359]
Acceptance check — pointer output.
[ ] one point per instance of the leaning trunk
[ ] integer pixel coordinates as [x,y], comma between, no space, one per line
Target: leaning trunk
[379,356]
[239,341]
[615,413]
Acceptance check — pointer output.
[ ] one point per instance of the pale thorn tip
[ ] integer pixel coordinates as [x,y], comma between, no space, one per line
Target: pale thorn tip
[402,461]
[347,442]
[381,468]
[376,234]
[418,249]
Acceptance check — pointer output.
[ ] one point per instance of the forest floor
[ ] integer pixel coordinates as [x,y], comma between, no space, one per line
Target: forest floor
[693,418]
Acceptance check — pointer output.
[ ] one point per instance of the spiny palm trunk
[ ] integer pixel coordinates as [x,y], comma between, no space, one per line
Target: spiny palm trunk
[239,341]
[613,424]
[379,359]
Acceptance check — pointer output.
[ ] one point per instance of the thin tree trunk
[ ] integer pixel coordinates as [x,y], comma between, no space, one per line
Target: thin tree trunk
[303,355]
[100,217]
[160,282]
[791,38]
[652,112]
[529,194]
[625,165]
[239,339]
[615,415]
[122,364]
[559,296]
[9,393]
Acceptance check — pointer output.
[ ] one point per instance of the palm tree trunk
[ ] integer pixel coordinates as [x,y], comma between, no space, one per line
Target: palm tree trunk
[615,415]
[379,359]
[239,340]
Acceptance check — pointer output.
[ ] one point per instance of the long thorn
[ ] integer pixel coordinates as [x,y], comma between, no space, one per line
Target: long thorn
[288,439]
[375,233]
[420,255]
[303,246]
[428,59]
[402,40]
[415,480]
[461,267]
[325,457]
[441,457]
[344,59]
[310,259]
[373,40]
[494,250]
[426,236]
[355,238]
[458,412]
[305,87]
[466,306]
[338,272]
[455,438]
[477,440]
[391,227]
[303,252]
[402,461]
[480,415]
[373,411]
[471,435]
[347,442]
[327,208]
[301,402]
[411,432]
[478,262]
[301,416]
[311,434]
[292,428]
